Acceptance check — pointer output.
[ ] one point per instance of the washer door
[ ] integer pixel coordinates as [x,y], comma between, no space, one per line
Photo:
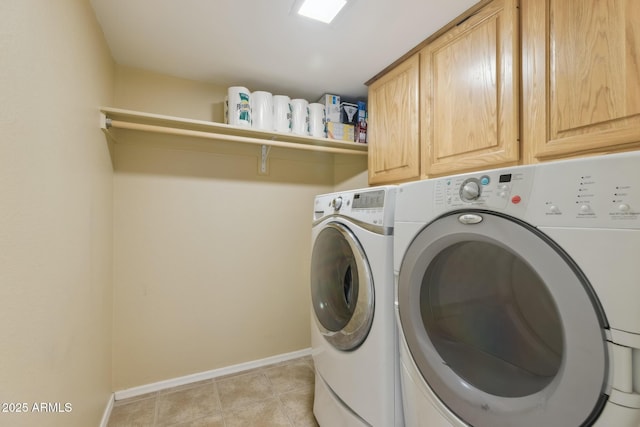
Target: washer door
[501,324]
[341,287]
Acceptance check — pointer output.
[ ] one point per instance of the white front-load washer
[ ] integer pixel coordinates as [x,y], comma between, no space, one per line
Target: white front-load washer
[518,296]
[353,333]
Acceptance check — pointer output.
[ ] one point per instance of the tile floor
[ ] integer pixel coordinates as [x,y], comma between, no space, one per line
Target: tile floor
[278,395]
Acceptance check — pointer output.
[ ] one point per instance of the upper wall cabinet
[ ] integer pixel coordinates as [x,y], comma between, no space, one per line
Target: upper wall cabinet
[470,93]
[453,105]
[394,144]
[581,76]
[575,62]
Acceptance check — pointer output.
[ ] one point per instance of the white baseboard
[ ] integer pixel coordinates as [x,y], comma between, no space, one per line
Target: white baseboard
[107,411]
[207,375]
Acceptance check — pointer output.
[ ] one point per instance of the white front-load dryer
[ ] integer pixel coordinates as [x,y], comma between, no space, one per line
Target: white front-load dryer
[353,333]
[518,296]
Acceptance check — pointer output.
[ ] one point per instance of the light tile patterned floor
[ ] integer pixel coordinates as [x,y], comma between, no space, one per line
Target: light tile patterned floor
[279,395]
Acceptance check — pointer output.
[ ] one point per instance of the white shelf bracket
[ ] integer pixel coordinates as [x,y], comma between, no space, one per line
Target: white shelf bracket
[105,122]
[263,168]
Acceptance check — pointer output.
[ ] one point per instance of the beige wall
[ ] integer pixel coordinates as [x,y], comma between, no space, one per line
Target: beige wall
[55,212]
[187,257]
[186,260]
[151,92]
[211,258]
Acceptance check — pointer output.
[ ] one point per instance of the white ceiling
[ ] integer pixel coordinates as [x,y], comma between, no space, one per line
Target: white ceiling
[265,45]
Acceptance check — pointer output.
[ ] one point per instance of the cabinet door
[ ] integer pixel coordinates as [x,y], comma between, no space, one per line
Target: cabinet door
[470,93]
[581,76]
[393,126]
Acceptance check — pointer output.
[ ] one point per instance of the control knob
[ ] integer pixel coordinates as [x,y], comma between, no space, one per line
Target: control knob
[470,190]
[336,203]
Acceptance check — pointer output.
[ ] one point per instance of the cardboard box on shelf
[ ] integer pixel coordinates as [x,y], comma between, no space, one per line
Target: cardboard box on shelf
[362,110]
[361,125]
[341,131]
[361,132]
[348,113]
[332,107]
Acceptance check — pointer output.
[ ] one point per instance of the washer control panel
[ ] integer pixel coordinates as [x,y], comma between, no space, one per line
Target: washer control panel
[374,206]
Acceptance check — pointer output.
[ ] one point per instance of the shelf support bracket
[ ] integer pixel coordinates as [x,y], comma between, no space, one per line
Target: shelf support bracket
[263,169]
[105,122]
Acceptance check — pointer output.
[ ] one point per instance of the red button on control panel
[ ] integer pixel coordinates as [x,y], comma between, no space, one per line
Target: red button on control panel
[515,200]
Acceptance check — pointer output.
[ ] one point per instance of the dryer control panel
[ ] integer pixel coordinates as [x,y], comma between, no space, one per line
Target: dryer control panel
[505,190]
[600,191]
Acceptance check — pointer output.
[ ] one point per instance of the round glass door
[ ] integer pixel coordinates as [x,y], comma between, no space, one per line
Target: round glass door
[341,287]
[502,325]
[493,321]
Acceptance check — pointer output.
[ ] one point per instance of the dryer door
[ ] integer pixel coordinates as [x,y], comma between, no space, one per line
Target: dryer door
[341,287]
[501,324]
